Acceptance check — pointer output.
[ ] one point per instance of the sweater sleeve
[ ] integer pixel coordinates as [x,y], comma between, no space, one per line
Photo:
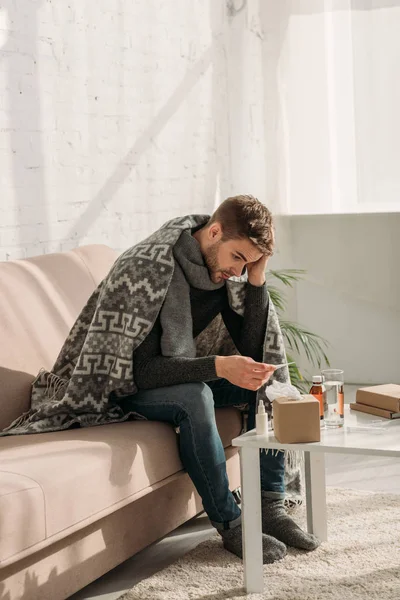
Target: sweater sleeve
[248,332]
[153,370]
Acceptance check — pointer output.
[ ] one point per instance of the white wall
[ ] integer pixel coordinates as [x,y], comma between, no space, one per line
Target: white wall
[352,292]
[113,119]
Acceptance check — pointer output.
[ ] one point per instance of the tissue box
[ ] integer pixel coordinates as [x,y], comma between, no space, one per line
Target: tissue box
[296,421]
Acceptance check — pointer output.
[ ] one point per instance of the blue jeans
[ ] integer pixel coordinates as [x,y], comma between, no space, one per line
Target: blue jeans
[190,407]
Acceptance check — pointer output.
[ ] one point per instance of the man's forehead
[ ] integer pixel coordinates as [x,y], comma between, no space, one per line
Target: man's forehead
[247,250]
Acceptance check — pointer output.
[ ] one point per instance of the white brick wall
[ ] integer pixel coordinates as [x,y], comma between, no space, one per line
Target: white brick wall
[114,117]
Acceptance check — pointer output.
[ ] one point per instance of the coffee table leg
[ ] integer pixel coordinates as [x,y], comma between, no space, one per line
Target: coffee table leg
[251,519]
[316,494]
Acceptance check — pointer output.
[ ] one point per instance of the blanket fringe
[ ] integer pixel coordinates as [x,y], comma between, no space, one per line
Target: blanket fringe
[294,458]
[21,422]
[54,385]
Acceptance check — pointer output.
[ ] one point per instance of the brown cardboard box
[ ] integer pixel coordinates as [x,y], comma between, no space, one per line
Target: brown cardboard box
[296,421]
[385,396]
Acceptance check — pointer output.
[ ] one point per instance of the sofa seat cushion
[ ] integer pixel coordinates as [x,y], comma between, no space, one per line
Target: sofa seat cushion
[84,472]
[22,513]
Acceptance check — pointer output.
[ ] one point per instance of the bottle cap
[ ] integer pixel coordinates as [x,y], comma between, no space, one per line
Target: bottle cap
[261,407]
[318,379]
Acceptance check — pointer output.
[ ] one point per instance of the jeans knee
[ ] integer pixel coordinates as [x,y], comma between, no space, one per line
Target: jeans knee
[200,402]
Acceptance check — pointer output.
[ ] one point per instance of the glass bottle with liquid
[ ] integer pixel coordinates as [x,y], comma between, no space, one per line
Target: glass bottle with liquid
[334,386]
[318,391]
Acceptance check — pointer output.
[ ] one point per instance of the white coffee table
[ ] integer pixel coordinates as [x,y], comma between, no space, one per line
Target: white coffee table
[351,439]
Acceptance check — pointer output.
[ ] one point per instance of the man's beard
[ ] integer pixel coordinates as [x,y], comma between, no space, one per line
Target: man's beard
[211,260]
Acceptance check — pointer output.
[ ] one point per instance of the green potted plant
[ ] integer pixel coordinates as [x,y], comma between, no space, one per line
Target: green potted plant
[297,338]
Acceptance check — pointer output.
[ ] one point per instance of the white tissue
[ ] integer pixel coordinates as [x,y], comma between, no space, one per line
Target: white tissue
[278,389]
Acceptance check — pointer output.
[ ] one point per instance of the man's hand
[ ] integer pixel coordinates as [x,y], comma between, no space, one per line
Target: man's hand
[243,371]
[256,271]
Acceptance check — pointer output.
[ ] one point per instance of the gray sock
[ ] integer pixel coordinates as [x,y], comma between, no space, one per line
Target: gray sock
[276,522]
[232,541]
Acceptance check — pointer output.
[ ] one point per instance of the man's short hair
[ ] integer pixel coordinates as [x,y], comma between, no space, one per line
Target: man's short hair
[246,217]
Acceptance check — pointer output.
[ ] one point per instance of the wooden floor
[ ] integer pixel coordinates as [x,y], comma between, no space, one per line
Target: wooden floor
[355,472]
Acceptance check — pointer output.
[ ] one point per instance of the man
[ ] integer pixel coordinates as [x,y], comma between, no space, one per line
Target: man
[176,387]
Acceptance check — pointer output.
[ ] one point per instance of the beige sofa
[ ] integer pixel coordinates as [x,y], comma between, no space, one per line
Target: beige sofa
[75,504]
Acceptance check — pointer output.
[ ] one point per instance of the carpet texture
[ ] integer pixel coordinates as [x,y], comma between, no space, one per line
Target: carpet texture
[361,560]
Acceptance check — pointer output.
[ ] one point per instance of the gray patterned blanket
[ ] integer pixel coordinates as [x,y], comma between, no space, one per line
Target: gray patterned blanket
[94,367]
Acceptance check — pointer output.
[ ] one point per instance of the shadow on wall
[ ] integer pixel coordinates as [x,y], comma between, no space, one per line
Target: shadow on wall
[23,53]
[218,170]
[131,159]
[20,53]
[127,164]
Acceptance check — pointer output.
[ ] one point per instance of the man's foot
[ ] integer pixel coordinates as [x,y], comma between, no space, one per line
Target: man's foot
[276,522]
[272,549]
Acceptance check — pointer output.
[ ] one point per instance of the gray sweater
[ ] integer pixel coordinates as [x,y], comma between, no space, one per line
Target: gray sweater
[153,370]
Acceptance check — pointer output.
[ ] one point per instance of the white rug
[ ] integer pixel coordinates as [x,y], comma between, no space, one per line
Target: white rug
[360,561]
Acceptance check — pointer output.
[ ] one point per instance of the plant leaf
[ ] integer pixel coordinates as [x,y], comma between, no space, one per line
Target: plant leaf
[287,276]
[277,297]
[299,338]
[296,378]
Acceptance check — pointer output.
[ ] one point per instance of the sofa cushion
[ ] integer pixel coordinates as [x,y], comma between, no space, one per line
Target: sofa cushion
[22,513]
[89,471]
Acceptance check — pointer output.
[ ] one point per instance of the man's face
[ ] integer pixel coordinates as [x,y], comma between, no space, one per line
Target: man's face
[228,259]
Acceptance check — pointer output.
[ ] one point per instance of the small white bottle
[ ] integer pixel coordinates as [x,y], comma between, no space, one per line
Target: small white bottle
[261,420]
